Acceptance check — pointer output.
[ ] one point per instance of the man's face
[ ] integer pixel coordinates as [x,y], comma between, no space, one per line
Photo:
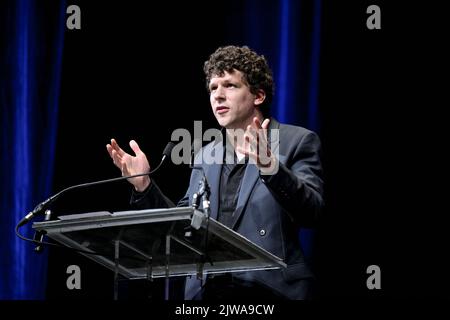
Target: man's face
[231,100]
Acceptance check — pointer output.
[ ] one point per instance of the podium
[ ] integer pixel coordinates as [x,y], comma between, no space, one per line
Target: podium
[154,243]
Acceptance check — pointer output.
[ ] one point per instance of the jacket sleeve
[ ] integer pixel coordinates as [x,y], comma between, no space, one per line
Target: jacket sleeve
[298,184]
[153,197]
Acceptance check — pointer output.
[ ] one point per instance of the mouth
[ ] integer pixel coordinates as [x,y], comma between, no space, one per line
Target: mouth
[222,109]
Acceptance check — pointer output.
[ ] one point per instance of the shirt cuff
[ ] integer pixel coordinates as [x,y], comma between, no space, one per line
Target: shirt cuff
[137,196]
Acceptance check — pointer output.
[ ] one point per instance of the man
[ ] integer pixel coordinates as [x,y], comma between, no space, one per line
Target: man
[264,195]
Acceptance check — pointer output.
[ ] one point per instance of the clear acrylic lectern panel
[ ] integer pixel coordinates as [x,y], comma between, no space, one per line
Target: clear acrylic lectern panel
[158,243]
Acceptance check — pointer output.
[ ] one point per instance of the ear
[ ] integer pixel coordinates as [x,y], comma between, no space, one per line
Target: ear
[260,96]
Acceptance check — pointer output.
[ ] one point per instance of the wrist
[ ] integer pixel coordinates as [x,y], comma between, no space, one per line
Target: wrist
[141,187]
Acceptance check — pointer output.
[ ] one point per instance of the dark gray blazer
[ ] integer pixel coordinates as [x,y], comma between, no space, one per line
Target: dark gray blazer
[270,209]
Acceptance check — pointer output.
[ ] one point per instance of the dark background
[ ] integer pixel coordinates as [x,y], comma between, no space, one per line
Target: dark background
[135,72]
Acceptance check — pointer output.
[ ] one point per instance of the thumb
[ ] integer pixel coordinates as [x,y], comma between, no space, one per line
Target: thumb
[135,147]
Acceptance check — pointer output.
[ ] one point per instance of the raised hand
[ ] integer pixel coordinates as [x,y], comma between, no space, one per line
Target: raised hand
[257,148]
[130,165]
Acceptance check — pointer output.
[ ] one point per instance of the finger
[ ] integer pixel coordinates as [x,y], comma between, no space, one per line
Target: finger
[263,146]
[251,130]
[256,123]
[251,141]
[254,144]
[116,147]
[109,149]
[254,134]
[249,134]
[116,159]
[265,124]
[261,129]
[135,147]
[259,152]
[262,135]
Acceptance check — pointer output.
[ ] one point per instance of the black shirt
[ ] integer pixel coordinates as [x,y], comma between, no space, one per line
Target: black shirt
[230,185]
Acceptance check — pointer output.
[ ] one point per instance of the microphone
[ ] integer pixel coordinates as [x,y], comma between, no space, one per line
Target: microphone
[203,193]
[39,235]
[195,148]
[45,204]
[166,152]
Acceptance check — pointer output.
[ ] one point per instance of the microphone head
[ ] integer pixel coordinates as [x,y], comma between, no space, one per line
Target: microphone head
[168,149]
[195,148]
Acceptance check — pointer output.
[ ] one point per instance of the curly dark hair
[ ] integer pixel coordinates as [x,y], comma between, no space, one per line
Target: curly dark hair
[255,69]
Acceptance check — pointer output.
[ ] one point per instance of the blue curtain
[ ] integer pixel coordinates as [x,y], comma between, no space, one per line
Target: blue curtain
[30,64]
[288,33]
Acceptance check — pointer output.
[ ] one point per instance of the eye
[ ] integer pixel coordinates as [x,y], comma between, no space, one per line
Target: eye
[231,85]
